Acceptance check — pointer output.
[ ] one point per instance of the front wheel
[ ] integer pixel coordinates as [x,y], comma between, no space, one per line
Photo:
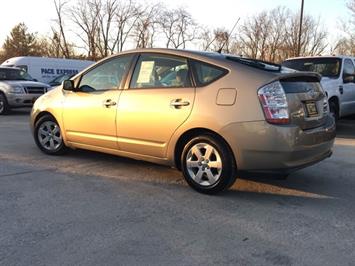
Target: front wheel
[4,106]
[208,165]
[334,110]
[48,136]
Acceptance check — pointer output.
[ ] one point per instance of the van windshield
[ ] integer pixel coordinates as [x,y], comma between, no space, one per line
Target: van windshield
[325,66]
[14,74]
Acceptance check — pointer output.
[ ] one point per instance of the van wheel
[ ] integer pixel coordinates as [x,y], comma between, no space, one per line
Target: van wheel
[334,110]
[208,165]
[4,106]
[48,136]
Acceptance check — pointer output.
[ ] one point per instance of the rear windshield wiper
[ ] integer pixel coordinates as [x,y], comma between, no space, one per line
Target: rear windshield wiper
[268,66]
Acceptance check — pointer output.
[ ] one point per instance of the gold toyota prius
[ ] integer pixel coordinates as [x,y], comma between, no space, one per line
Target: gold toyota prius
[210,115]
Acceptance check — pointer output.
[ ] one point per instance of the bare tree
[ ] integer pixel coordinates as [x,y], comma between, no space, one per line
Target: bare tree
[84,15]
[346,42]
[146,25]
[277,36]
[255,34]
[59,35]
[273,35]
[127,16]
[219,40]
[178,27]
[312,39]
[106,11]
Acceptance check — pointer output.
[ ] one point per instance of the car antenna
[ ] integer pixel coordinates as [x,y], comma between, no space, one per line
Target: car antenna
[230,33]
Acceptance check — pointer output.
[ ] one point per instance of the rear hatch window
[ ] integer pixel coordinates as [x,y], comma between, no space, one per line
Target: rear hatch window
[306,100]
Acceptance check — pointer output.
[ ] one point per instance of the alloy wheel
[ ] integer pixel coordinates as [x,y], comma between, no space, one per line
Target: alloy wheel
[204,164]
[49,136]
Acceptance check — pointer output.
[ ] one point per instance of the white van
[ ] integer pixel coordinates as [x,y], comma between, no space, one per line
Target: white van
[338,80]
[45,69]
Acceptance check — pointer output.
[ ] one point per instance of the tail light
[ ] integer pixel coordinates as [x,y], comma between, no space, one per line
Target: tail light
[274,103]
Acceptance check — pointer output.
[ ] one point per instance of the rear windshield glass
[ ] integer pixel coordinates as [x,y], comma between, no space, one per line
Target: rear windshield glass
[14,74]
[327,67]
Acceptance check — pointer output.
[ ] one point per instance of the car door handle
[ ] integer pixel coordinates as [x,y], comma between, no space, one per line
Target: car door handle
[179,103]
[341,89]
[108,103]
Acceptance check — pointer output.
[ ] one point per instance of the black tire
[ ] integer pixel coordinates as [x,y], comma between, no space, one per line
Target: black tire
[4,106]
[334,110]
[227,174]
[59,146]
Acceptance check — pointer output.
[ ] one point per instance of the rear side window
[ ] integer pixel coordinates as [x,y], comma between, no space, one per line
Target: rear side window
[161,71]
[207,73]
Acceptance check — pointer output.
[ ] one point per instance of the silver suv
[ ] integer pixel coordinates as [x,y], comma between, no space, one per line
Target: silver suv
[18,89]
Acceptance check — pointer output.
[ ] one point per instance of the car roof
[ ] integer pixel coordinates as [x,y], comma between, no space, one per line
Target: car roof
[212,57]
[321,56]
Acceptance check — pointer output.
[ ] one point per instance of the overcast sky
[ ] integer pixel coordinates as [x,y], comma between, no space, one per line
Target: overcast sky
[38,14]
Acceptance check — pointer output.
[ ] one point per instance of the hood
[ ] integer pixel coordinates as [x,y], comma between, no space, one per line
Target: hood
[25,83]
[328,82]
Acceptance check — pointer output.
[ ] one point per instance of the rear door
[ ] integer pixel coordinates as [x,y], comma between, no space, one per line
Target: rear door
[347,92]
[159,98]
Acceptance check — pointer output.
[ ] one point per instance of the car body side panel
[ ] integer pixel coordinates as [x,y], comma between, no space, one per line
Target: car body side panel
[208,114]
[87,120]
[51,102]
[146,120]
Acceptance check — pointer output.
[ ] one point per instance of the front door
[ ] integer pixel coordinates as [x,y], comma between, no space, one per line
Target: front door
[159,99]
[347,93]
[89,113]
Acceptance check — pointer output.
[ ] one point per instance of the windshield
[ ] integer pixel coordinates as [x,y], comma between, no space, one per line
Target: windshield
[14,74]
[61,78]
[325,66]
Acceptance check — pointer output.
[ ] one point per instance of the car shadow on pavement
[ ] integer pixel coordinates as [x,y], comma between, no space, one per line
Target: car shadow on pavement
[301,184]
[346,128]
[19,111]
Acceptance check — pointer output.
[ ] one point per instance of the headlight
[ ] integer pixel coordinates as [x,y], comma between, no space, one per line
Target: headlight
[17,90]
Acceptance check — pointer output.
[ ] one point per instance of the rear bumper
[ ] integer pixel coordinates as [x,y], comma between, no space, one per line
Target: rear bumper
[262,147]
[22,100]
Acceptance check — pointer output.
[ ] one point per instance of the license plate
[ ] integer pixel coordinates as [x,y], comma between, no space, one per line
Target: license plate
[312,109]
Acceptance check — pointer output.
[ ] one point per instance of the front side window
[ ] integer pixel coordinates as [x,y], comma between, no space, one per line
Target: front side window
[107,76]
[159,71]
[207,73]
[348,67]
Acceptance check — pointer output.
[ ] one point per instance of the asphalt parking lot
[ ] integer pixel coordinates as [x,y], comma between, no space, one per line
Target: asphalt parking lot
[86,208]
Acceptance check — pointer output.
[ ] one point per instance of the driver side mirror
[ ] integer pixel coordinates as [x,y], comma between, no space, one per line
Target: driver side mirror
[348,78]
[68,85]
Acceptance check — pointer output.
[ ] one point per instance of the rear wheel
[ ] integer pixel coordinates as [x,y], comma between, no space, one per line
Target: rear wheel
[4,106]
[48,136]
[208,165]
